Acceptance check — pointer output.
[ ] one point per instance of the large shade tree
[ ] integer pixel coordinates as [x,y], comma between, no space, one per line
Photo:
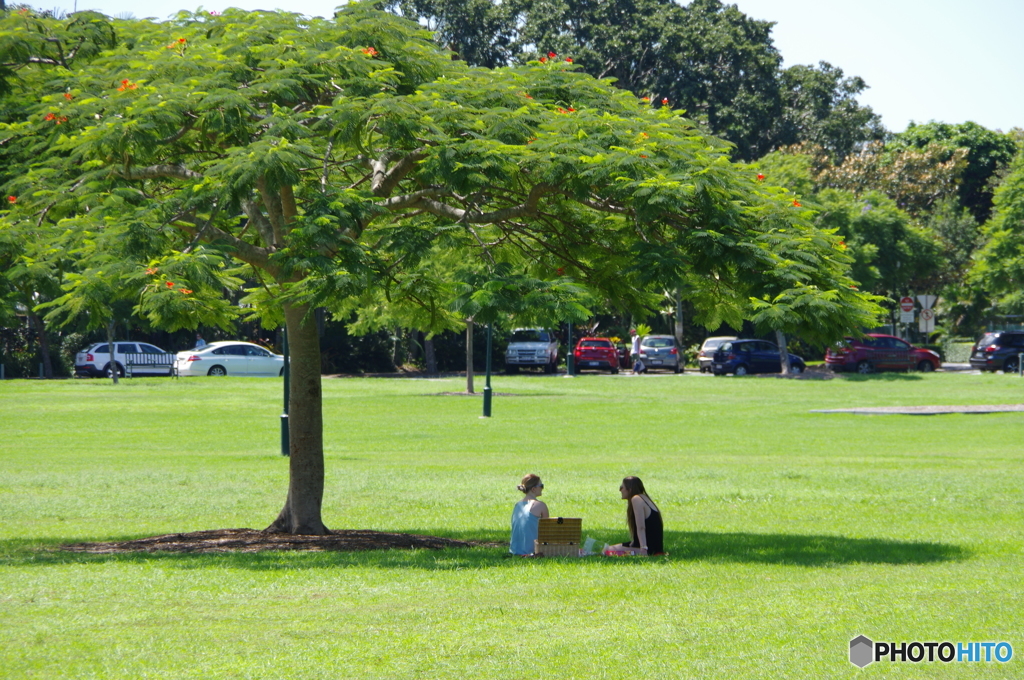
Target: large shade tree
[338,162]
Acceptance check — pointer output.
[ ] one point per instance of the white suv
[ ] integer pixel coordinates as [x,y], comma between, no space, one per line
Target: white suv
[536,347]
[140,358]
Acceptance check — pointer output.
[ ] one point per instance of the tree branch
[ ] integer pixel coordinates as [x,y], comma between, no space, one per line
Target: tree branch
[154,171]
[384,184]
[259,220]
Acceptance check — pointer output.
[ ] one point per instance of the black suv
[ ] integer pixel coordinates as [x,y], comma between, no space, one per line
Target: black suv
[998,350]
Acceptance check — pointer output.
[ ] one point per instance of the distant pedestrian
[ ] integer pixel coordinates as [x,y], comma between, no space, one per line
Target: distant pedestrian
[199,341]
[634,352]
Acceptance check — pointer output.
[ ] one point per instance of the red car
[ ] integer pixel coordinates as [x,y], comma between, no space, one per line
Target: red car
[599,353]
[877,352]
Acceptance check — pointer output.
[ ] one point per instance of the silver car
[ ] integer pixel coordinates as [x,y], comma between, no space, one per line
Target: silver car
[660,351]
[707,350]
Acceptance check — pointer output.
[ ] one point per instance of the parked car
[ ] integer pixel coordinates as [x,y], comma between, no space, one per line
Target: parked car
[878,352]
[532,347]
[707,351]
[140,358]
[599,353]
[660,351]
[998,350]
[741,357]
[229,357]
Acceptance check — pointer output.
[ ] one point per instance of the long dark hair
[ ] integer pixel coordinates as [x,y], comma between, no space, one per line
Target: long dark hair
[633,487]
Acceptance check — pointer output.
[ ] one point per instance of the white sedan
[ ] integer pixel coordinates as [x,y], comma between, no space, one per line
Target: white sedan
[230,358]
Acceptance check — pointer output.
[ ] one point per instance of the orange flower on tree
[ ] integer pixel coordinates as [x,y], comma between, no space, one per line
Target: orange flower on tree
[568,60]
[796,203]
[543,60]
[127,85]
[664,101]
[12,199]
[169,284]
[760,178]
[551,55]
[369,51]
[152,270]
[50,116]
[185,291]
[68,96]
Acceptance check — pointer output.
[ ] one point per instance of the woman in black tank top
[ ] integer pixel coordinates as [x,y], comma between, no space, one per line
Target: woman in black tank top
[645,526]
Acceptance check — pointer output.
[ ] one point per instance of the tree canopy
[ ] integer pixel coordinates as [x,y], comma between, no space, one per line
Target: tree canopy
[707,58]
[349,163]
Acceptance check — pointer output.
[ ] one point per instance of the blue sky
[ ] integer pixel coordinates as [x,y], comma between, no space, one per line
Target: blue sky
[944,60]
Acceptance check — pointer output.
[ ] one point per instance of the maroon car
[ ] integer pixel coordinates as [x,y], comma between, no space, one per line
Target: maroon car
[877,352]
[599,353]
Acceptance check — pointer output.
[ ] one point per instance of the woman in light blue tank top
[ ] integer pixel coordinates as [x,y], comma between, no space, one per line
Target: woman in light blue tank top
[526,516]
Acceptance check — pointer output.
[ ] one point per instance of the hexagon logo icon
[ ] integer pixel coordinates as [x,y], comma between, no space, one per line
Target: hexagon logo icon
[862,651]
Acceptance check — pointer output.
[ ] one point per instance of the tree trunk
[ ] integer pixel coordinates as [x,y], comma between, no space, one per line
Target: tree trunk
[429,357]
[302,508]
[783,351]
[679,320]
[111,350]
[44,343]
[469,356]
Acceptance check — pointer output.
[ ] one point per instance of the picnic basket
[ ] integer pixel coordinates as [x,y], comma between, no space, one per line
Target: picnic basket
[559,537]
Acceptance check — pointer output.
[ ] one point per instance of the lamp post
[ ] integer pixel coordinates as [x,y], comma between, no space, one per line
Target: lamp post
[570,357]
[487,379]
[285,446]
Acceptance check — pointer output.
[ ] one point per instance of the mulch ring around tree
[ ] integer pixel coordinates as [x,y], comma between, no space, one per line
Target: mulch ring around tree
[251,540]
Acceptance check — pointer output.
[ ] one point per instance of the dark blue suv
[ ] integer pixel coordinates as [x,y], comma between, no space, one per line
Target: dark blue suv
[998,350]
[752,356]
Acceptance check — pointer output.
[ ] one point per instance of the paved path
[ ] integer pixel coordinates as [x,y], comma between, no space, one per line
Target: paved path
[925,410]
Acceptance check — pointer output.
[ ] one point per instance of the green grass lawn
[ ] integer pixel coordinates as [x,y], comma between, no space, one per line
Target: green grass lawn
[790,532]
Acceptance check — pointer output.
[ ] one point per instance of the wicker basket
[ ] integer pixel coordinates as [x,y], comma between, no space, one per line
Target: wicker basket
[559,537]
[556,549]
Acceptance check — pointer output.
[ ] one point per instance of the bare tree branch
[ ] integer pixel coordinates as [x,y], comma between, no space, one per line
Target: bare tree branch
[384,184]
[259,220]
[154,171]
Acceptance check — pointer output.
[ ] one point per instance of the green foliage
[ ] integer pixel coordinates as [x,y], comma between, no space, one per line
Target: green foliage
[332,160]
[820,109]
[999,265]
[705,57]
[986,152]
[891,255]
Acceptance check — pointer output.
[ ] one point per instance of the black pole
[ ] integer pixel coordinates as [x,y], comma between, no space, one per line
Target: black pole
[487,380]
[285,445]
[570,357]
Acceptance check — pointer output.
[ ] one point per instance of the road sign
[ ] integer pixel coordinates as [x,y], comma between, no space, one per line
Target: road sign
[927,301]
[926,321]
[907,317]
[907,304]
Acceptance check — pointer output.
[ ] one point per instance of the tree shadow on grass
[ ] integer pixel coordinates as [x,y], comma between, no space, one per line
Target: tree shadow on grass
[738,548]
[881,377]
